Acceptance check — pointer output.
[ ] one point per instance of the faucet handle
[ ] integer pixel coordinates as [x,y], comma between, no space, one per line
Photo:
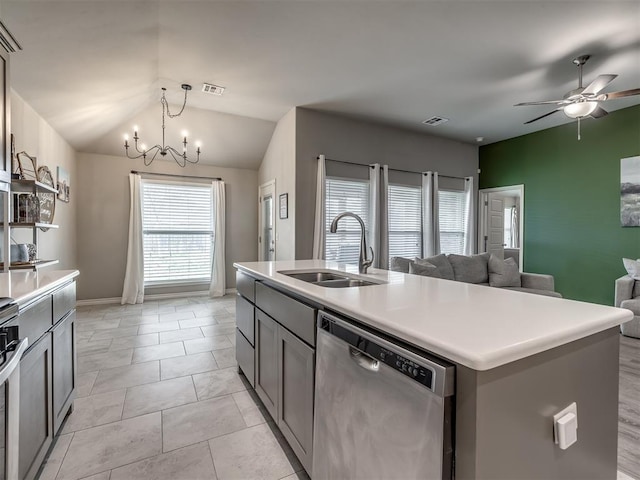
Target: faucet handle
[367,262]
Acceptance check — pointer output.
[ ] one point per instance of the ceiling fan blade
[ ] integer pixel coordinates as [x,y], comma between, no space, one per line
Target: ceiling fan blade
[546,102]
[545,115]
[623,93]
[598,84]
[599,112]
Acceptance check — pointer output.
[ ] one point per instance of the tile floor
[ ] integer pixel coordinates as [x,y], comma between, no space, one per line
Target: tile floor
[159,397]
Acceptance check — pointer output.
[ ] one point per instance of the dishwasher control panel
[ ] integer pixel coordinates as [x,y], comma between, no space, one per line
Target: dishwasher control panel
[377,351]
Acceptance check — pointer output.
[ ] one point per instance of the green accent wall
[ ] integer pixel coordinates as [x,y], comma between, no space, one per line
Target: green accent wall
[572,200]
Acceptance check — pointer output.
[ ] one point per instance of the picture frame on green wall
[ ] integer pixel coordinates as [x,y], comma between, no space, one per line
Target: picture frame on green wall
[630,191]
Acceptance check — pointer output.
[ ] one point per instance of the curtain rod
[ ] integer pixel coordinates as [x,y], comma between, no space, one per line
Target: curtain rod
[175,176]
[394,169]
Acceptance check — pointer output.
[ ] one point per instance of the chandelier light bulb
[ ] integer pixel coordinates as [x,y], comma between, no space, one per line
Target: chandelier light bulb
[126,137]
[198,143]
[143,147]
[580,109]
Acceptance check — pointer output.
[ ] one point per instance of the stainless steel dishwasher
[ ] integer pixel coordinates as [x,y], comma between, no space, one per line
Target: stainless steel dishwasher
[381,411]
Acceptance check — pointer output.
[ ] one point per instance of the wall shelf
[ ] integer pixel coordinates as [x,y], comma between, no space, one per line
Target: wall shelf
[32,187]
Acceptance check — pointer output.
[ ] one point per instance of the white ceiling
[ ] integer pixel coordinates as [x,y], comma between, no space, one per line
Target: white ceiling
[93,68]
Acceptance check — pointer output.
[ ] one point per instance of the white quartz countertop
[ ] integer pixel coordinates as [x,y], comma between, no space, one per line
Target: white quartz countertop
[24,286]
[476,326]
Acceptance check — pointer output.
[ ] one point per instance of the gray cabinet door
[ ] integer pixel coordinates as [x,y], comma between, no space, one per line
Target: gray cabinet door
[266,372]
[64,368]
[36,425]
[245,318]
[296,367]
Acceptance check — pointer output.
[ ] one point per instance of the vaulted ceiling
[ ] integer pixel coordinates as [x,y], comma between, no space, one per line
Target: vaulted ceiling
[93,68]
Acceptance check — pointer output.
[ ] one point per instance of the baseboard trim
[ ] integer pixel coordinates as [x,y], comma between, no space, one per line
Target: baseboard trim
[156,296]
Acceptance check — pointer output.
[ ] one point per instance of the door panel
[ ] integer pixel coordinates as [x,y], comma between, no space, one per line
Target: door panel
[295,408]
[267,222]
[266,374]
[495,234]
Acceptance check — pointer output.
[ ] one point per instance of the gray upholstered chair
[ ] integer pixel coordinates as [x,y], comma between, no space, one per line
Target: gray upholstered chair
[628,296]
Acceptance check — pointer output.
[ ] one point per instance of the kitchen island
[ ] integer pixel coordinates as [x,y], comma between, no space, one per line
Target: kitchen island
[519,360]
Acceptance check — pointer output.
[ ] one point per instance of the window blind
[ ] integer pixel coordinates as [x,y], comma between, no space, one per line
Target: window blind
[177,222]
[345,195]
[405,221]
[453,220]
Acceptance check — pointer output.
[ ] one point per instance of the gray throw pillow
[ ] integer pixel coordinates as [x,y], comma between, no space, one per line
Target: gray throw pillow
[440,261]
[470,268]
[503,273]
[424,269]
[400,264]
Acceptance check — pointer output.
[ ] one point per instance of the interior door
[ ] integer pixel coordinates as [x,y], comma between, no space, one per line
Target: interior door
[266,235]
[495,231]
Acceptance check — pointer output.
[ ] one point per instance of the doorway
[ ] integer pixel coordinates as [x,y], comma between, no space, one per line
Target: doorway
[501,226]
[266,222]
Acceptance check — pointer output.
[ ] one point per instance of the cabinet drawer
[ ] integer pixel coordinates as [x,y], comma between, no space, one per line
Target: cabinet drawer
[64,300]
[294,315]
[246,286]
[35,320]
[244,318]
[245,355]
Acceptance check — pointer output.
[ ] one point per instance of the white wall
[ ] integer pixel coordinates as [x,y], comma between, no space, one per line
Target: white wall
[346,139]
[103,219]
[279,163]
[35,136]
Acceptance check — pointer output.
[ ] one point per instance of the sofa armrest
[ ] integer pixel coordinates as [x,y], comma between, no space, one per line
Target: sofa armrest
[539,281]
[624,289]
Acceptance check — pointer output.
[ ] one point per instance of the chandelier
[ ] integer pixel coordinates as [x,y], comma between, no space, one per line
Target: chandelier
[149,154]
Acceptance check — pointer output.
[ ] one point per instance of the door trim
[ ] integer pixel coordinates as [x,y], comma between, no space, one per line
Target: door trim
[482,216]
[271,184]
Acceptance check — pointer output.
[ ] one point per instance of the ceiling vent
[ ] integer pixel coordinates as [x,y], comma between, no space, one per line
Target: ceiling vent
[212,89]
[433,121]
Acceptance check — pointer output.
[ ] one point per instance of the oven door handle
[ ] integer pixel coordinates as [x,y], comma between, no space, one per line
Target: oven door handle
[13,359]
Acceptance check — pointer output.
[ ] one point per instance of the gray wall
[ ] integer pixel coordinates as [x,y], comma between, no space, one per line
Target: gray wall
[35,136]
[341,138]
[279,163]
[102,190]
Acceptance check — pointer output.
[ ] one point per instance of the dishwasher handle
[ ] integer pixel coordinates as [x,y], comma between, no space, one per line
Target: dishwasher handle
[363,360]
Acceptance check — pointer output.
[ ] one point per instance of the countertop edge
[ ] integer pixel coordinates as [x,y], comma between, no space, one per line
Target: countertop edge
[488,361]
[40,290]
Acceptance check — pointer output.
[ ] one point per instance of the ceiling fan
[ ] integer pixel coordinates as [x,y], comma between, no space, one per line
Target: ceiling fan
[583,101]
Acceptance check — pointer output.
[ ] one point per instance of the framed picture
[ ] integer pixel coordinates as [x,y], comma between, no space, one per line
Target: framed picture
[284,205]
[630,192]
[63,185]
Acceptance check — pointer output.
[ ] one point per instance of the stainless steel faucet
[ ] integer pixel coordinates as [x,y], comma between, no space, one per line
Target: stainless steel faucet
[363,262]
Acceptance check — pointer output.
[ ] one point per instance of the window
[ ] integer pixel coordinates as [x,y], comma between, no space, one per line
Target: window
[507,227]
[405,221]
[177,222]
[453,221]
[345,195]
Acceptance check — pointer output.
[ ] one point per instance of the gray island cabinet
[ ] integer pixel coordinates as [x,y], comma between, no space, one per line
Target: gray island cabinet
[275,346]
[48,368]
[519,360]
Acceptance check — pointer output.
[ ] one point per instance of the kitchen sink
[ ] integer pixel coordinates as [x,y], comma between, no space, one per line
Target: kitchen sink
[330,279]
[314,277]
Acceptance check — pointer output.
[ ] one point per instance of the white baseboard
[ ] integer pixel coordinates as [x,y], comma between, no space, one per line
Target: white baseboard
[157,296]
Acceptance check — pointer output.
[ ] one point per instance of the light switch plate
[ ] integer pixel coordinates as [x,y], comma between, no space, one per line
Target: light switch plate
[573,408]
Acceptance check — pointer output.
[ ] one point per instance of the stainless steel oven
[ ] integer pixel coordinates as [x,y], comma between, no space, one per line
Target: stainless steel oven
[11,350]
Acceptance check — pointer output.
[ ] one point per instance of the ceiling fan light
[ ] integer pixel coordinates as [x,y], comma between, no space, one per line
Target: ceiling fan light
[580,109]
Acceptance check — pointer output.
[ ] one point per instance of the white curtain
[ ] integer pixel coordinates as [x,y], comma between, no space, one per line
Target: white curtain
[218,271]
[319,225]
[383,257]
[430,215]
[133,290]
[469,210]
[374,214]
[515,228]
